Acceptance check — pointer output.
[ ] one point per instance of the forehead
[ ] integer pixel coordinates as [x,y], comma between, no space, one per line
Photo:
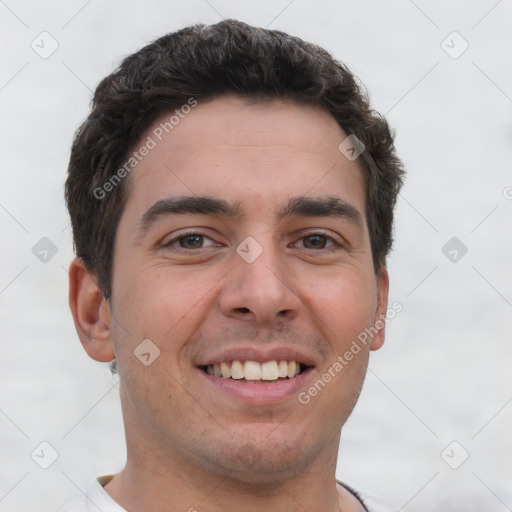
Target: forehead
[246,152]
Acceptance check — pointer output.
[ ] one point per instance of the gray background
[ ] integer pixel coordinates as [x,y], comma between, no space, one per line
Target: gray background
[444,372]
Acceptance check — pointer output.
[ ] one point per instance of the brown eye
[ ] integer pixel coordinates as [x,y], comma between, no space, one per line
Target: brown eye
[191,241]
[315,241]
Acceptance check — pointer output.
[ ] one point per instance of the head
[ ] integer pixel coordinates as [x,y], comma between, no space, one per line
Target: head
[219,214]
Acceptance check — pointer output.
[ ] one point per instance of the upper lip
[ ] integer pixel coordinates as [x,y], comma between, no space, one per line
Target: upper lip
[261,355]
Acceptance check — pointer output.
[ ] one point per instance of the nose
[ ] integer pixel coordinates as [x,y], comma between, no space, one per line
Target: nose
[260,290]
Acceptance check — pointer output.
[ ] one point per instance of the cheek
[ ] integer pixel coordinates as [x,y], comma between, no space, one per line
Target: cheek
[163,306]
[343,304]
[344,307]
[342,312]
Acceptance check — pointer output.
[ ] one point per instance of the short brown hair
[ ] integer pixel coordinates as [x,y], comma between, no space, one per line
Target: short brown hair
[204,62]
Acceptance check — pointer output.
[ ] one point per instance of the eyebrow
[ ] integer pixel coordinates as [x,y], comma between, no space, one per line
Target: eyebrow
[296,206]
[321,207]
[189,204]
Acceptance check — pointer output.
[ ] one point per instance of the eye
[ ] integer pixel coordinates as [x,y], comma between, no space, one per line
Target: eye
[317,241]
[190,241]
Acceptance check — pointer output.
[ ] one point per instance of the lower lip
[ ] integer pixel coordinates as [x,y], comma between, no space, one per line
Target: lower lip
[259,393]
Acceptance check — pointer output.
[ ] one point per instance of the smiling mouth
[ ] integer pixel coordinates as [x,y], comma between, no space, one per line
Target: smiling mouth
[254,371]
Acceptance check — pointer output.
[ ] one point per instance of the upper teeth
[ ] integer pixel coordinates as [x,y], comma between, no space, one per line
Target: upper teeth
[252,370]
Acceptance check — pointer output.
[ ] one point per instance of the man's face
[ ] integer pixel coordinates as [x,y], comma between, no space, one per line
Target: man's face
[243,239]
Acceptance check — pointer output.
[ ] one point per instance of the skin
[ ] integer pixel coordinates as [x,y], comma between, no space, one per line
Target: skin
[187,442]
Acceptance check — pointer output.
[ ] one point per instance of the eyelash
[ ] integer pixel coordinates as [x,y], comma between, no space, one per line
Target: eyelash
[184,235]
[335,243]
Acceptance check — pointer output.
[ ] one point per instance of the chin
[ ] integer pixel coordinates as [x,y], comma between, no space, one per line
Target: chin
[263,461]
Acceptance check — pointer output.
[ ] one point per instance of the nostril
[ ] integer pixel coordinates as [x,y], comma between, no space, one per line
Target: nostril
[244,310]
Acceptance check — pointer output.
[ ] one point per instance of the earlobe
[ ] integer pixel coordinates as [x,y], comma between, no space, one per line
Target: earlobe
[91,312]
[382,306]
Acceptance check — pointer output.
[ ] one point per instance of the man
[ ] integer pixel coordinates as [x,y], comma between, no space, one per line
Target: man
[231,196]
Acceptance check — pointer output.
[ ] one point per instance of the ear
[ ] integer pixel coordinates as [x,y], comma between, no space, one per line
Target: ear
[91,312]
[382,306]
